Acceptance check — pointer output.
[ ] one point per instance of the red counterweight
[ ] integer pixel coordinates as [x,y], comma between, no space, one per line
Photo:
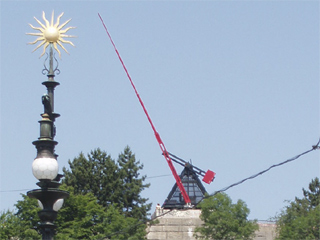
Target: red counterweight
[208,177]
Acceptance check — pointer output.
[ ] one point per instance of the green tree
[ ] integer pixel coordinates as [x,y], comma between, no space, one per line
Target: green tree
[97,174]
[80,218]
[23,223]
[117,183]
[132,185]
[27,213]
[225,220]
[9,223]
[104,202]
[83,218]
[301,218]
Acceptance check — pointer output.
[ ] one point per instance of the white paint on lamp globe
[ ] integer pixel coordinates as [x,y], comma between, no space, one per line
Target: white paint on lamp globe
[45,168]
[58,205]
[40,204]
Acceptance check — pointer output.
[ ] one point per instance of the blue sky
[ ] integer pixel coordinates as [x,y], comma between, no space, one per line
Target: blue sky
[231,85]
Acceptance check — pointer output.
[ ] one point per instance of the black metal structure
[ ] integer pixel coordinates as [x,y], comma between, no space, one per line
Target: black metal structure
[191,183]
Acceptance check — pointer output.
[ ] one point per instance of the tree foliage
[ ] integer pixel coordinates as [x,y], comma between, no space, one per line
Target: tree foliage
[83,218]
[131,202]
[96,174]
[301,218]
[105,202]
[8,225]
[112,183]
[80,218]
[22,224]
[225,220]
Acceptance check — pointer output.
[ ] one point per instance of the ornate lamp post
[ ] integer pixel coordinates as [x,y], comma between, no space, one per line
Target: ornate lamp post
[45,165]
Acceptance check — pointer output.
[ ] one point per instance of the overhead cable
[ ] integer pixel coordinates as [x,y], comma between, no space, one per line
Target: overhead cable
[314,147]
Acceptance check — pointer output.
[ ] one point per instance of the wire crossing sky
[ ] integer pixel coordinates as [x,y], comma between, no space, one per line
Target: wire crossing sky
[315,147]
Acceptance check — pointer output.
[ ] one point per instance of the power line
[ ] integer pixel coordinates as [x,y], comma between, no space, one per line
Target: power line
[17,190]
[27,189]
[165,175]
[315,147]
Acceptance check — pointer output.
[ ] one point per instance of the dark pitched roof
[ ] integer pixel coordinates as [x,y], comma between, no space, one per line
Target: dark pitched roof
[193,187]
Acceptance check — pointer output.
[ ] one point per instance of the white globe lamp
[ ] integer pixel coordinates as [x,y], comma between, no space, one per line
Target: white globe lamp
[40,204]
[58,204]
[45,168]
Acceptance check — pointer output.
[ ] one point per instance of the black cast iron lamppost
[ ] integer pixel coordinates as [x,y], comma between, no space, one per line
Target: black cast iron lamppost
[45,166]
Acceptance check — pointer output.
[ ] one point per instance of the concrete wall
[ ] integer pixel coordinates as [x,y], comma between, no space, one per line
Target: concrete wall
[180,225]
[177,224]
[267,231]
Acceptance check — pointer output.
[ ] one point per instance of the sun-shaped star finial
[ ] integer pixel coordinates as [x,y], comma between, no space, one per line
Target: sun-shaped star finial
[51,33]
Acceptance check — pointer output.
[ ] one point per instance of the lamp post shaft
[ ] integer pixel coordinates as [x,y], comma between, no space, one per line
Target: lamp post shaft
[48,193]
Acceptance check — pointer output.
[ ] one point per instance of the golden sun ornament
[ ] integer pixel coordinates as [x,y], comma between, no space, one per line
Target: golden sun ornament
[51,34]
